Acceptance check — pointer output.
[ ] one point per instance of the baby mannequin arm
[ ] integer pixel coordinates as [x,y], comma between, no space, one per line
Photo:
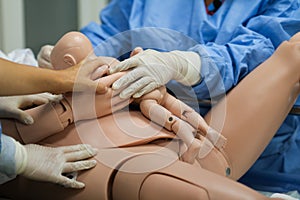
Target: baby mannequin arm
[74,47]
[169,112]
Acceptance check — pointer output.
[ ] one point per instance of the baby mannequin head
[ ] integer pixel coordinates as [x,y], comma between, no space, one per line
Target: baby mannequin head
[71,49]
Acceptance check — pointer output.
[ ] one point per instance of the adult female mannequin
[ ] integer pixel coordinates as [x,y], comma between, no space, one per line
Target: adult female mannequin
[177,175]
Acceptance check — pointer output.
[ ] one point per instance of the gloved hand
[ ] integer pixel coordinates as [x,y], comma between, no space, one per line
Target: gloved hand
[11,106]
[283,196]
[43,57]
[155,69]
[48,164]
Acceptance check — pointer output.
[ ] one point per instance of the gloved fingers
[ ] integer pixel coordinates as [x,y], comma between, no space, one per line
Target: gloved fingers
[45,64]
[115,93]
[99,72]
[39,99]
[148,88]
[77,147]
[136,51]
[20,115]
[124,65]
[129,78]
[282,196]
[69,183]
[80,154]
[79,165]
[25,117]
[136,87]
[51,97]
[43,57]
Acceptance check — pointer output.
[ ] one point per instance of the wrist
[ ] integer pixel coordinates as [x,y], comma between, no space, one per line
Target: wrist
[63,83]
[189,66]
[21,157]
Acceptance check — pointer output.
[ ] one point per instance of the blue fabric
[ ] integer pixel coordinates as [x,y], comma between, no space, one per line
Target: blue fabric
[231,43]
[278,168]
[7,159]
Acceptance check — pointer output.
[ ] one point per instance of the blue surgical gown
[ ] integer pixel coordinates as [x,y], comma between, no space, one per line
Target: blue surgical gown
[232,42]
[7,158]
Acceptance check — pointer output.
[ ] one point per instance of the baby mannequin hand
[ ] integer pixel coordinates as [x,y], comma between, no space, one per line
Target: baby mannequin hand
[48,164]
[87,105]
[43,57]
[11,106]
[155,69]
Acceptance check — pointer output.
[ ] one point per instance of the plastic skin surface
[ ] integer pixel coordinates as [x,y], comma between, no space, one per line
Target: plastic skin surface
[159,106]
[141,160]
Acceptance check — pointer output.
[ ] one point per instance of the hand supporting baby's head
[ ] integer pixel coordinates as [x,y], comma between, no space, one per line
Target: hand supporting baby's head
[72,49]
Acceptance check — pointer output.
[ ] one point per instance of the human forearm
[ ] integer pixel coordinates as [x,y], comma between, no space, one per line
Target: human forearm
[19,79]
[37,80]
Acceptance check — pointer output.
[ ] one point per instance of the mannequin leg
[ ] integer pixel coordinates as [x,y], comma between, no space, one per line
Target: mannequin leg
[253,111]
[149,171]
[176,181]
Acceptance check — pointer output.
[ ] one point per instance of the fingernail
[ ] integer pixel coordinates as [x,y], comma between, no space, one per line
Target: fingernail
[28,120]
[115,86]
[94,162]
[87,146]
[95,150]
[124,96]
[138,95]
[111,71]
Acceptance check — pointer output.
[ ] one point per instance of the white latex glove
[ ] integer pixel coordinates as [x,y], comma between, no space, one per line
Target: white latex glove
[48,164]
[154,69]
[282,196]
[43,57]
[11,106]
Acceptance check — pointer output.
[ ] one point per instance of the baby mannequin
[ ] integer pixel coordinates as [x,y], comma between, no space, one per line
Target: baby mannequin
[159,180]
[70,42]
[159,106]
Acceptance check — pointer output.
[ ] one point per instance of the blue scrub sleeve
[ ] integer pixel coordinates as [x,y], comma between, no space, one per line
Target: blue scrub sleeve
[7,159]
[251,44]
[228,53]
[224,65]
[114,19]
